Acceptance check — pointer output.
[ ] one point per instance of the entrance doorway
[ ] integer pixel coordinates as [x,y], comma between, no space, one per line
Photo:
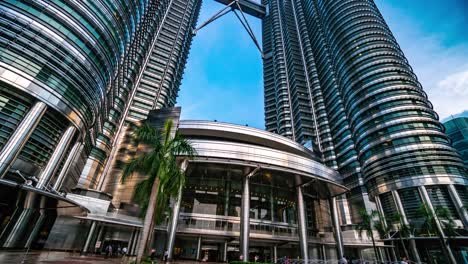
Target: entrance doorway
[210,253]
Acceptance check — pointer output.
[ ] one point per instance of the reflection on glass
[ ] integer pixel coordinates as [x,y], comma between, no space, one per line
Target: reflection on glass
[212,200]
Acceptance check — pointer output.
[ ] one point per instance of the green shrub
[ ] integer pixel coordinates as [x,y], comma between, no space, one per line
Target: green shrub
[240,262]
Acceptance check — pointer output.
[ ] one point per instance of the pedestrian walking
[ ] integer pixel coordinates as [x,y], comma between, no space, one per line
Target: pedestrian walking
[108,251]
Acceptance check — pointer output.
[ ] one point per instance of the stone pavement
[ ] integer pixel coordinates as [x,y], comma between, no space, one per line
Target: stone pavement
[54,257]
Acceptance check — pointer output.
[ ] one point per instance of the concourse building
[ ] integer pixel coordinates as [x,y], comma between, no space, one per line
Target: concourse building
[349,128]
[248,193]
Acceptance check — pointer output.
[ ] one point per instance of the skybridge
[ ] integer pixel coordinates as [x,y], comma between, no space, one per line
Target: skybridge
[239,8]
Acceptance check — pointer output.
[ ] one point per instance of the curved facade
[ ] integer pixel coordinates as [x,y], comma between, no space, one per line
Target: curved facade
[73,74]
[337,81]
[248,192]
[281,180]
[457,130]
[66,53]
[75,77]
[58,63]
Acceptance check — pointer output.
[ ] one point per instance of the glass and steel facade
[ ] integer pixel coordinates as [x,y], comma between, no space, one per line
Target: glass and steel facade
[457,130]
[336,80]
[75,76]
[248,192]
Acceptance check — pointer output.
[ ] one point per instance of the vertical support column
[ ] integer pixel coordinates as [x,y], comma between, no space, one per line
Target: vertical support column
[275,253]
[55,158]
[66,166]
[16,142]
[384,223]
[272,204]
[199,248]
[427,200]
[302,223]
[225,250]
[324,252]
[175,216]
[131,241]
[98,238]
[401,211]
[336,227]
[228,194]
[39,222]
[136,241]
[89,238]
[245,219]
[458,204]
[15,231]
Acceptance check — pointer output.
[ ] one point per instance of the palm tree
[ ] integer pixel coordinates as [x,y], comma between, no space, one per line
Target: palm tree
[164,176]
[383,229]
[404,231]
[430,222]
[446,220]
[367,225]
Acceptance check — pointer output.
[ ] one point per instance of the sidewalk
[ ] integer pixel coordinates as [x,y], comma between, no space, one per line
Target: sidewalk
[54,257]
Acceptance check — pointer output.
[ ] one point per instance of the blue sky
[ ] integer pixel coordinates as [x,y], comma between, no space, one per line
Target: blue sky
[223,77]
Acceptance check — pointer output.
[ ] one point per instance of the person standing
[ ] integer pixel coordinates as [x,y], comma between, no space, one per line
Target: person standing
[153,256]
[108,251]
[404,260]
[343,260]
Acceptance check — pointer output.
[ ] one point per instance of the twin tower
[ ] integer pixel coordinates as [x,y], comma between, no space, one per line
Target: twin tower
[74,76]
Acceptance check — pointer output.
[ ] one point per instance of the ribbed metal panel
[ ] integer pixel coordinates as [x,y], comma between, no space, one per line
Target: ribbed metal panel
[13,108]
[44,139]
[440,198]
[335,77]
[388,206]
[412,202]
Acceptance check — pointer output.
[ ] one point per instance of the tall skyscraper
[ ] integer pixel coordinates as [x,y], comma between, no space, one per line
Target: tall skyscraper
[76,75]
[457,130]
[335,78]
[73,75]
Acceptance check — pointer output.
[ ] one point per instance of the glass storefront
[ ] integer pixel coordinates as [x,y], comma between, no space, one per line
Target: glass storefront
[212,199]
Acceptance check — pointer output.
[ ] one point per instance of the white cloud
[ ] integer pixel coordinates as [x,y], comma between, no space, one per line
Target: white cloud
[456,83]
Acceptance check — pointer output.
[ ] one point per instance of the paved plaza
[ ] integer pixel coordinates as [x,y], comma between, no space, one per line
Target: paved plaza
[54,257]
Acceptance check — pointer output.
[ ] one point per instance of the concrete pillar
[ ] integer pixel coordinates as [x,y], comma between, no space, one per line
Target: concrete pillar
[15,233]
[89,238]
[336,227]
[136,242]
[38,224]
[302,221]
[199,243]
[130,241]
[384,223]
[225,251]
[175,216]
[98,238]
[55,158]
[324,252]
[425,197]
[18,139]
[66,166]
[275,254]
[401,211]
[227,195]
[245,219]
[462,211]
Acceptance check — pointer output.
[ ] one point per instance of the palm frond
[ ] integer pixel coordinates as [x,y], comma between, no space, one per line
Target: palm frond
[166,132]
[147,134]
[446,220]
[181,146]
